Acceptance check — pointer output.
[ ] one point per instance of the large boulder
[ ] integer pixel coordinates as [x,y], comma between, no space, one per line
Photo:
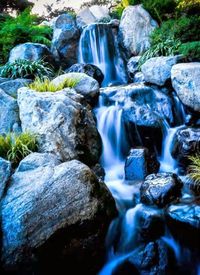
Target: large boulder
[32,52]
[184,222]
[89,69]
[135,28]
[5,172]
[157,70]
[186,82]
[54,217]
[9,114]
[64,125]
[10,87]
[186,143]
[84,85]
[140,163]
[160,189]
[90,15]
[65,40]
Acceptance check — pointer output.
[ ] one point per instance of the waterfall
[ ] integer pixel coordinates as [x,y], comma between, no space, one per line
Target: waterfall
[98,46]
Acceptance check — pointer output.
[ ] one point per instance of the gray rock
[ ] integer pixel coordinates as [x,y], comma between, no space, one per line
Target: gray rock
[10,87]
[65,40]
[5,173]
[186,143]
[32,52]
[138,77]
[132,66]
[4,79]
[135,28]
[86,85]
[157,70]
[139,164]
[55,210]
[9,114]
[160,189]
[89,69]
[186,82]
[64,126]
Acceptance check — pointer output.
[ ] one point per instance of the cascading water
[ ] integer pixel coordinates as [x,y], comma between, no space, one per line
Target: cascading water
[98,46]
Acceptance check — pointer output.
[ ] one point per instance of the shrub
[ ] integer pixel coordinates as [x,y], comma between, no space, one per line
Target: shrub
[190,50]
[190,7]
[26,69]
[15,147]
[194,172]
[47,86]
[23,28]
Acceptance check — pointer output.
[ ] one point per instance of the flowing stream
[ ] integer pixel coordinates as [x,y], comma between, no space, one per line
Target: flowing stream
[98,46]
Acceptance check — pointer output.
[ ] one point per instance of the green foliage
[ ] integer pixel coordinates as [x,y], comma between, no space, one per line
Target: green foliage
[160,9]
[26,69]
[190,50]
[194,172]
[167,47]
[190,7]
[46,85]
[119,8]
[23,28]
[15,147]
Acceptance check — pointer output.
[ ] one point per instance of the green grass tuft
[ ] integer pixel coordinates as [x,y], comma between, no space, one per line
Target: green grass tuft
[194,172]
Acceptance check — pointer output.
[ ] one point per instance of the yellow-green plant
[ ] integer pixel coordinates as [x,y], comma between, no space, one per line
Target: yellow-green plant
[15,147]
[47,85]
[194,171]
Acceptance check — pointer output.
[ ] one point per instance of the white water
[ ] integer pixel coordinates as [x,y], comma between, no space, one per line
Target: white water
[99,47]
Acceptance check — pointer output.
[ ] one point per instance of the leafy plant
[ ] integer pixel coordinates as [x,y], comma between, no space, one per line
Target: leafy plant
[23,28]
[46,85]
[194,172]
[26,69]
[15,147]
[190,50]
[190,7]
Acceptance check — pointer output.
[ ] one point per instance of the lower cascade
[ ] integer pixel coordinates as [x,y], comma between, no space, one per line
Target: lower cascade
[140,230]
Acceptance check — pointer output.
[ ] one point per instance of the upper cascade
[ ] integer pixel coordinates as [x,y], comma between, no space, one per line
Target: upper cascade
[99,46]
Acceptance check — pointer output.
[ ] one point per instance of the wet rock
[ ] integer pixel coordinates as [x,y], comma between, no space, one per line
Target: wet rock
[64,125]
[157,70]
[184,223]
[65,40]
[132,66]
[138,77]
[153,258]
[54,216]
[186,82]
[10,87]
[139,164]
[89,69]
[4,79]
[150,224]
[32,52]
[5,172]
[160,189]
[99,171]
[86,85]
[9,114]
[135,28]
[186,143]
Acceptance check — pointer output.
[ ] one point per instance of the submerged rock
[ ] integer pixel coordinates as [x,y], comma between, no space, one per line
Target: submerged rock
[135,28]
[186,82]
[32,52]
[140,163]
[9,114]
[65,40]
[160,189]
[89,69]
[84,85]
[5,173]
[10,87]
[63,124]
[157,70]
[186,143]
[54,216]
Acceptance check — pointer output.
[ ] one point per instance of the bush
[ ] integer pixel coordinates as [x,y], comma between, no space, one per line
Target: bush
[26,69]
[160,9]
[190,7]
[194,173]
[15,147]
[47,86]
[23,28]
[190,50]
